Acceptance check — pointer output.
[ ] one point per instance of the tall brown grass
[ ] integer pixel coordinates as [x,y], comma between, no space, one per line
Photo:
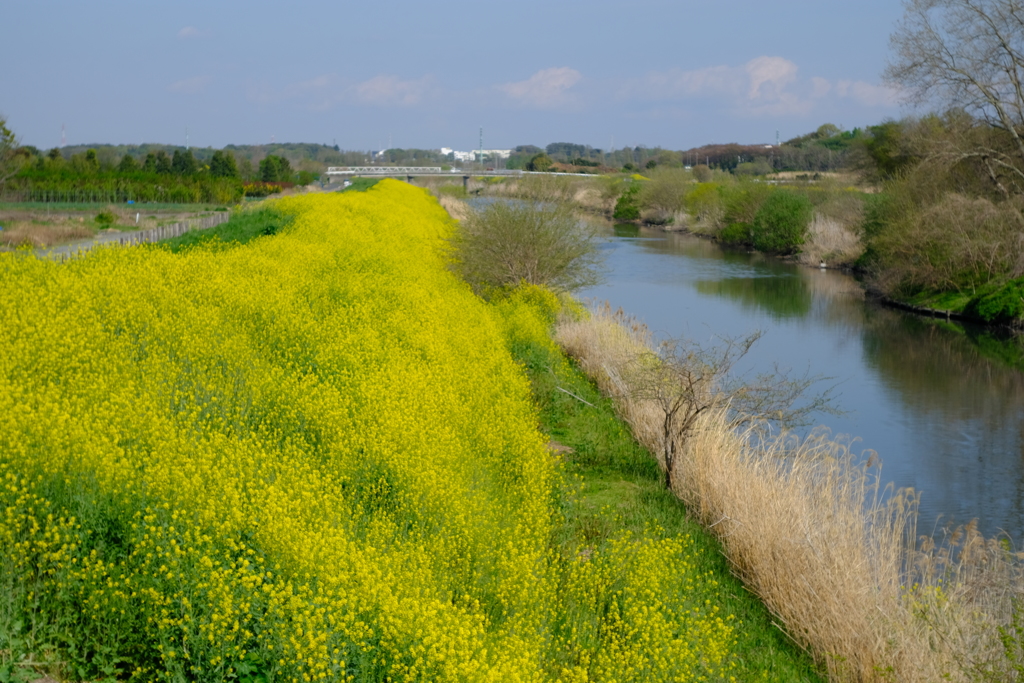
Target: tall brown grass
[830,241]
[809,529]
[43,234]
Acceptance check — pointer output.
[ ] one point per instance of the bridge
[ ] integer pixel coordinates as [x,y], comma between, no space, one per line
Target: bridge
[414,171]
[411,172]
[429,170]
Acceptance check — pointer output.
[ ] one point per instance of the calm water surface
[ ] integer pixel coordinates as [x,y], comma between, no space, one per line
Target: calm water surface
[945,419]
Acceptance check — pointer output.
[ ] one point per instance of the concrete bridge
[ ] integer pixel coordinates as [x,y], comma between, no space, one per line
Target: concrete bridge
[411,172]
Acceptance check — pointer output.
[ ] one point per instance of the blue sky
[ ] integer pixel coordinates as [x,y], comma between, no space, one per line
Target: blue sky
[419,74]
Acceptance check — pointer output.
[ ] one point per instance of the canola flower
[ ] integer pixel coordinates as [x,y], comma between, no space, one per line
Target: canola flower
[308,458]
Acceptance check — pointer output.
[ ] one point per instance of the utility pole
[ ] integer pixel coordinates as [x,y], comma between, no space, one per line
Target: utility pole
[186,138]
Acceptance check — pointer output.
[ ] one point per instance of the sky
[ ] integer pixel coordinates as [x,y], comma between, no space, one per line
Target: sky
[397,73]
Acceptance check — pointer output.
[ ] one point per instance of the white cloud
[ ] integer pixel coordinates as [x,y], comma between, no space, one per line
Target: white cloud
[677,83]
[387,90]
[546,89]
[819,87]
[191,86]
[868,94]
[764,86]
[769,77]
[190,32]
[325,91]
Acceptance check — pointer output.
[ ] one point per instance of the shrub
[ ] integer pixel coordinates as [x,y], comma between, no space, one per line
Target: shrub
[957,243]
[705,204]
[736,233]
[106,218]
[702,173]
[1003,305]
[627,208]
[260,189]
[759,167]
[539,162]
[781,223]
[665,193]
[743,200]
[512,243]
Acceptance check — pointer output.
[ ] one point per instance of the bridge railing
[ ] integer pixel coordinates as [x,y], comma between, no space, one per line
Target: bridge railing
[382,170]
[434,170]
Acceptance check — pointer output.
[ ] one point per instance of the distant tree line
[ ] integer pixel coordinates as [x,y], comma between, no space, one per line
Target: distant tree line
[178,176]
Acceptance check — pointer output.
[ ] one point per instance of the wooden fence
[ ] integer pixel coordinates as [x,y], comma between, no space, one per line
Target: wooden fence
[142,236]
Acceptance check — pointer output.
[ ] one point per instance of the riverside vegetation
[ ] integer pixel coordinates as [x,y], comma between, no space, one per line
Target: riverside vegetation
[315,456]
[806,526]
[804,522]
[937,235]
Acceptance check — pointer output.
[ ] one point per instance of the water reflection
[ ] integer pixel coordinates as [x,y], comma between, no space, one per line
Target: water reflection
[938,402]
[626,230]
[783,297]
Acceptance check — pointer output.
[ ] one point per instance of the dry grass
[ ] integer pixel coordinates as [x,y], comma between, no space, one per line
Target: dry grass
[21,233]
[456,208]
[41,228]
[830,241]
[806,526]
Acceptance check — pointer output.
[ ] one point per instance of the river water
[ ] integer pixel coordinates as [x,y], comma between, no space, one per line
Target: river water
[944,417]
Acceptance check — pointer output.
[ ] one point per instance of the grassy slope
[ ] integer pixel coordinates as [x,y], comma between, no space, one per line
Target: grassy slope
[243,227]
[361,184]
[621,486]
[622,489]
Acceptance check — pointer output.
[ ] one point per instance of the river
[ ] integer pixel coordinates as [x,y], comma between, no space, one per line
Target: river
[944,417]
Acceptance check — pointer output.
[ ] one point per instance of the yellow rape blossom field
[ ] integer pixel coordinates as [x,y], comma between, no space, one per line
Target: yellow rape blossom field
[310,457]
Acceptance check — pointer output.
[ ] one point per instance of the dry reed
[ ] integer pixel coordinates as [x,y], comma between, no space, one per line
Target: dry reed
[830,241]
[36,234]
[456,208]
[807,527]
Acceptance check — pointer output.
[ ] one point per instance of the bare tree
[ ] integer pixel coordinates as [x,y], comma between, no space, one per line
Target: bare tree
[685,379]
[9,159]
[507,244]
[967,54]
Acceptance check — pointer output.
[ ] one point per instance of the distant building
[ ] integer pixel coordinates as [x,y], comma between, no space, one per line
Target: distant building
[474,155]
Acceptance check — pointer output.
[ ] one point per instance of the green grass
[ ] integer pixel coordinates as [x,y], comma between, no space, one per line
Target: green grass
[361,184]
[954,302]
[621,488]
[243,227]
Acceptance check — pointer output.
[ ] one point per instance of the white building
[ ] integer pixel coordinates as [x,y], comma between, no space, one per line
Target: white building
[474,155]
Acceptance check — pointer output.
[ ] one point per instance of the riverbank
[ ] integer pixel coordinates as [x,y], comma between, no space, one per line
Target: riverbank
[847,229]
[620,491]
[926,402]
[805,527]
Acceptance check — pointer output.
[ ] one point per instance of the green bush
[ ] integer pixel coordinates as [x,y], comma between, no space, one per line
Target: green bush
[780,225]
[743,200]
[106,218]
[307,177]
[539,162]
[736,233]
[627,208]
[1005,304]
[706,205]
[665,192]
